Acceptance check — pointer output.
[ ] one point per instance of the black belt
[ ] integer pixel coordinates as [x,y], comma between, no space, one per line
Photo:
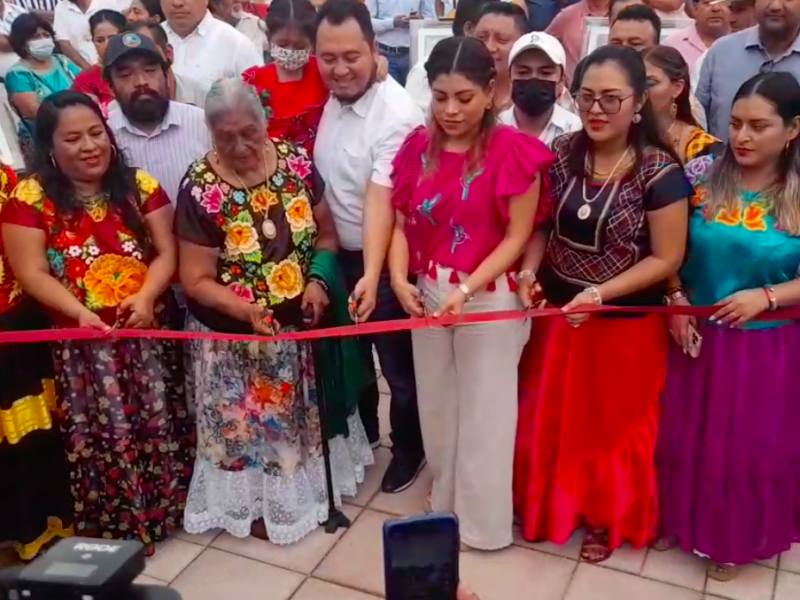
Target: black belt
[393,49]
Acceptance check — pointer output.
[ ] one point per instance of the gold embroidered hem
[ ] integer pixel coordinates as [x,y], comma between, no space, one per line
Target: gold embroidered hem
[55,529]
[28,414]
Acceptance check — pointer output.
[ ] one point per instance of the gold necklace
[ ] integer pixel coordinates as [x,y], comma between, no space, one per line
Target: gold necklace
[268,227]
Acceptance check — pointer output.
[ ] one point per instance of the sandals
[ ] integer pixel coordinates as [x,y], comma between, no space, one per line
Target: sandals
[595,547]
[723,573]
[665,543]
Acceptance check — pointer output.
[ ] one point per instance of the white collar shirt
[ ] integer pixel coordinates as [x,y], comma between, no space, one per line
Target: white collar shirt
[356,144]
[71,24]
[561,122]
[10,13]
[170,149]
[254,30]
[212,51]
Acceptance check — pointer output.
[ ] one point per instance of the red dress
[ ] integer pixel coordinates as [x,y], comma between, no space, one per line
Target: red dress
[296,105]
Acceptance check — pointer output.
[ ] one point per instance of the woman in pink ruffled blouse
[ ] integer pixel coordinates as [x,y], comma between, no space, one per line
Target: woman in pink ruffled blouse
[466,192]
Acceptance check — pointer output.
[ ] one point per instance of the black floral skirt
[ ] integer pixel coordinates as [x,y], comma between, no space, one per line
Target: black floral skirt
[34,488]
[129,439]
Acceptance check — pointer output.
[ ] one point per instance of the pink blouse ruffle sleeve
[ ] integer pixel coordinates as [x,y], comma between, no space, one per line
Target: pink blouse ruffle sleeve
[523,160]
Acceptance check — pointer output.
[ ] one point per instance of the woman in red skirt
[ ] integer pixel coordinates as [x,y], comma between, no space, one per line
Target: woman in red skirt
[589,386]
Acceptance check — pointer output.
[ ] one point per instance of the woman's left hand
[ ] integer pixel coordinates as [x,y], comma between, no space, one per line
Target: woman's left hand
[140,309]
[739,308]
[453,304]
[581,299]
[316,298]
[382,69]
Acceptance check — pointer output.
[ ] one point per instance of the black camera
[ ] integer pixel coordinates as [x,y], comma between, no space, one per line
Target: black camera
[84,569]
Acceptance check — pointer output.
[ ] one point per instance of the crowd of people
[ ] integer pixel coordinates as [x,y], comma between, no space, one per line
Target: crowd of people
[175,181]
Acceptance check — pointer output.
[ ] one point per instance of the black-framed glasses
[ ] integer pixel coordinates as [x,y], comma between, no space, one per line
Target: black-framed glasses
[610,105]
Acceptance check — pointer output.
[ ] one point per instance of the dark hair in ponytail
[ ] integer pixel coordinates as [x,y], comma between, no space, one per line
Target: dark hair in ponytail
[641,135]
[670,61]
[469,58]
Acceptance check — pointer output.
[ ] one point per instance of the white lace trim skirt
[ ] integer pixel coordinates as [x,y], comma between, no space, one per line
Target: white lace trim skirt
[292,506]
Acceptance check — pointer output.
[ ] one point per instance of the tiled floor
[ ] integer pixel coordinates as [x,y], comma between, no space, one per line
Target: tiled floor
[348,565]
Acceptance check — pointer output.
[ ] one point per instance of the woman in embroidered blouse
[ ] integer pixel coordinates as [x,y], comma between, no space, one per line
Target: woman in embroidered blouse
[38,74]
[90,239]
[34,503]
[253,227]
[669,94]
[589,395]
[728,456]
[466,191]
[104,24]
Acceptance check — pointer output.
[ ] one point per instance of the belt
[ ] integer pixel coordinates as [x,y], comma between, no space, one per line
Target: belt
[393,49]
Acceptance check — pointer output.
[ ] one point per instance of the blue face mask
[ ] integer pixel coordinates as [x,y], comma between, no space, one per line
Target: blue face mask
[41,49]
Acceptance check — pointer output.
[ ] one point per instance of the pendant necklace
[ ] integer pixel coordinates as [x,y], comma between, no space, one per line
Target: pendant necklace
[268,227]
[586,210]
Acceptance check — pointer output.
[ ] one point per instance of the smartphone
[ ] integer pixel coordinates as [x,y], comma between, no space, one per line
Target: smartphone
[420,557]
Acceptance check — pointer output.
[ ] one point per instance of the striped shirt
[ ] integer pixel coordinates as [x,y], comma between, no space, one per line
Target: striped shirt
[167,152]
[43,5]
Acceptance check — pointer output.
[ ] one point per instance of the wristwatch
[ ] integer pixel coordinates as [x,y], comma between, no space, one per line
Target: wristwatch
[466,291]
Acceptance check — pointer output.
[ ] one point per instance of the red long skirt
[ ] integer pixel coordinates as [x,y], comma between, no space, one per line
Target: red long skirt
[587,427]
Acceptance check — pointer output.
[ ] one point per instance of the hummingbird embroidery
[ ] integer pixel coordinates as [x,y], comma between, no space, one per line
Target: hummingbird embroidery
[426,207]
[466,181]
[459,236]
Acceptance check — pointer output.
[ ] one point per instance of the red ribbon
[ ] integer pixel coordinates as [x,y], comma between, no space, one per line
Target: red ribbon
[79,333]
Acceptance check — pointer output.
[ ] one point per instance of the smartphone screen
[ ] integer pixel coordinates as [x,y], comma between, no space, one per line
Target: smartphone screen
[421,557]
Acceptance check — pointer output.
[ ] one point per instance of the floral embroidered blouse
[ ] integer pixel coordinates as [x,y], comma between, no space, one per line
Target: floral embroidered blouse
[10,291]
[92,253]
[735,250]
[265,235]
[456,219]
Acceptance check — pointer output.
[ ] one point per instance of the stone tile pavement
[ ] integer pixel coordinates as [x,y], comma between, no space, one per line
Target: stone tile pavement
[349,565]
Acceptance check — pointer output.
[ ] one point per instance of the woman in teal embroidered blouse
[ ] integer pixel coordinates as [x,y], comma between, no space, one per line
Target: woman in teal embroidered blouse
[728,456]
[38,73]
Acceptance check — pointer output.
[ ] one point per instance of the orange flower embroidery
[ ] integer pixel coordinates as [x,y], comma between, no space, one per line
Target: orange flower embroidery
[730,219]
[699,197]
[261,201]
[299,214]
[754,218]
[272,393]
[111,279]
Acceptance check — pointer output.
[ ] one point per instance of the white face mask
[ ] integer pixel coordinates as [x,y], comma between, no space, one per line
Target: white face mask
[290,59]
[41,49]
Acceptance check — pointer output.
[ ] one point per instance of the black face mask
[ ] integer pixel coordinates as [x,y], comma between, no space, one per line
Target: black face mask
[534,97]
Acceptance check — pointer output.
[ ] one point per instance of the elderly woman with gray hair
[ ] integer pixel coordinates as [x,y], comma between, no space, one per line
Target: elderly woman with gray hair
[256,256]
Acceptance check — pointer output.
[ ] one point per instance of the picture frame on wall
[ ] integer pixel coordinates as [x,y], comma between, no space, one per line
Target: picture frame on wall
[596,31]
[425,34]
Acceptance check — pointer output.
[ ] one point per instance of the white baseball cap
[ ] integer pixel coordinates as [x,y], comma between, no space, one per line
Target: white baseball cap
[539,40]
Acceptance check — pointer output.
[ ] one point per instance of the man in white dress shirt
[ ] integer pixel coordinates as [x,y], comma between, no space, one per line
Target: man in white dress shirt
[537,62]
[391,21]
[206,49]
[71,24]
[363,125]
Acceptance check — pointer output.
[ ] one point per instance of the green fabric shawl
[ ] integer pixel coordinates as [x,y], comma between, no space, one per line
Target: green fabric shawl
[339,361]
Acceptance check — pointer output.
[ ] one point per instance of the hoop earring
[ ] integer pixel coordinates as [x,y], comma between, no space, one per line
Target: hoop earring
[637,118]
[53,161]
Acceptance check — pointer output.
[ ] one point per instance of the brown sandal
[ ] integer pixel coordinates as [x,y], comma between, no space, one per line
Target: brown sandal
[723,572]
[258,529]
[595,547]
[665,543]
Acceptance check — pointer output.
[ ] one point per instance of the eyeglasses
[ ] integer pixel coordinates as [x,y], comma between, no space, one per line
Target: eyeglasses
[610,105]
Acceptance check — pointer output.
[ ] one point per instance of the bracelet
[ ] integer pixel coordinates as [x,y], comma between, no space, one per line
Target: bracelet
[468,295]
[319,282]
[595,294]
[771,298]
[674,295]
[526,273]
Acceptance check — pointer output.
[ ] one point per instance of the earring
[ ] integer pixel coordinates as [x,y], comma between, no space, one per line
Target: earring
[673,110]
[637,118]
[53,160]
